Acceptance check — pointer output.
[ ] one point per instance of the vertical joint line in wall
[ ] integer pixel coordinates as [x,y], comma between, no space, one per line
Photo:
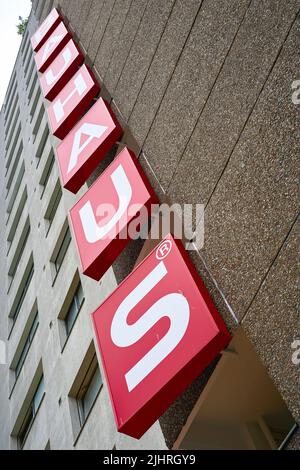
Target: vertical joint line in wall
[117,41]
[153,172]
[167,86]
[154,53]
[94,29]
[135,35]
[211,90]
[252,108]
[107,23]
[217,286]
[271,265]
[249,115]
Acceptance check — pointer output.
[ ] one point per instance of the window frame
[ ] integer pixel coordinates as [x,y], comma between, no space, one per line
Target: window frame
[30,415]
[84,388]
[61,254]
[78,302]
[25,288]
[53,206]
[27,344]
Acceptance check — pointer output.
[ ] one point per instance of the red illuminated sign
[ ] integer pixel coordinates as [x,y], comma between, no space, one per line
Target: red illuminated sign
[52,47]
[46,28]
[87,143]
[72,101]
[100,219]
[61,70]
[156,333]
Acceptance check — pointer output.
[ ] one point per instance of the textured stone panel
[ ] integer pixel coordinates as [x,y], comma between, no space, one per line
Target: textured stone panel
[161,70]
[79,13]
[103,19]
[91,22]
[204,53]
[141,53]
[257,198]
[228,107]
[124,43]
[111,35]
[273,322]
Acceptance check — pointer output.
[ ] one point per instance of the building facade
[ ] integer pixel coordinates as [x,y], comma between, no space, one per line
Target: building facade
[206,94]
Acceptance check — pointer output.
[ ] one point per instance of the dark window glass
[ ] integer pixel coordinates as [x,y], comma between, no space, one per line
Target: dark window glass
[89,390]
[51,215]
[62,251]
[47,175]
[31,412]
[27,345]
[74,309]
[23,294]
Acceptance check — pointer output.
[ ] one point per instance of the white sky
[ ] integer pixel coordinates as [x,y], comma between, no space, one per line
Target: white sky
[10,10]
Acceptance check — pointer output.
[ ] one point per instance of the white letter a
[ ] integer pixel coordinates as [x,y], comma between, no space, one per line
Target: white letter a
[93,131]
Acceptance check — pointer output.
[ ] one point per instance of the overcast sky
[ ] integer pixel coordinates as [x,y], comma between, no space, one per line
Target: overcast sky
[9,39]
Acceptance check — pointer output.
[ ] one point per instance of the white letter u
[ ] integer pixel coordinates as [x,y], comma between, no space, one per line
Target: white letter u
[94,233]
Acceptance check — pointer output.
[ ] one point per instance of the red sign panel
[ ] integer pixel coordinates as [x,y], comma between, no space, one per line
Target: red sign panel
[72,101]
[87,143]
[61,70]
[44,31]
[156,333]
[101,218]
[52,47]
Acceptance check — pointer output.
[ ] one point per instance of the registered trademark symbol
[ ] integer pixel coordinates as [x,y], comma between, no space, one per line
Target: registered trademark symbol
[164,249]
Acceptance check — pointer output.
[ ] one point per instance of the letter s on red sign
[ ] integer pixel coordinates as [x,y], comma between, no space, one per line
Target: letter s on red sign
[156,333]
[174,305]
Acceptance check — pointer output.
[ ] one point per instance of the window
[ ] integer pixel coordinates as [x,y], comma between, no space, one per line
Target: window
[12,125]
[42,144]
[89,390]
[31,70]
[12,150]
[74,309]
[47,172]
[14,194]
[12,88]
[69,311]
[26,49]
[53,205]
[35,103]
[26,282]
[38,121]
[31,413]
[30,56]
[34,82]
[16,219]
[26,346]
[19,252]
[84,391]
[58,260]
